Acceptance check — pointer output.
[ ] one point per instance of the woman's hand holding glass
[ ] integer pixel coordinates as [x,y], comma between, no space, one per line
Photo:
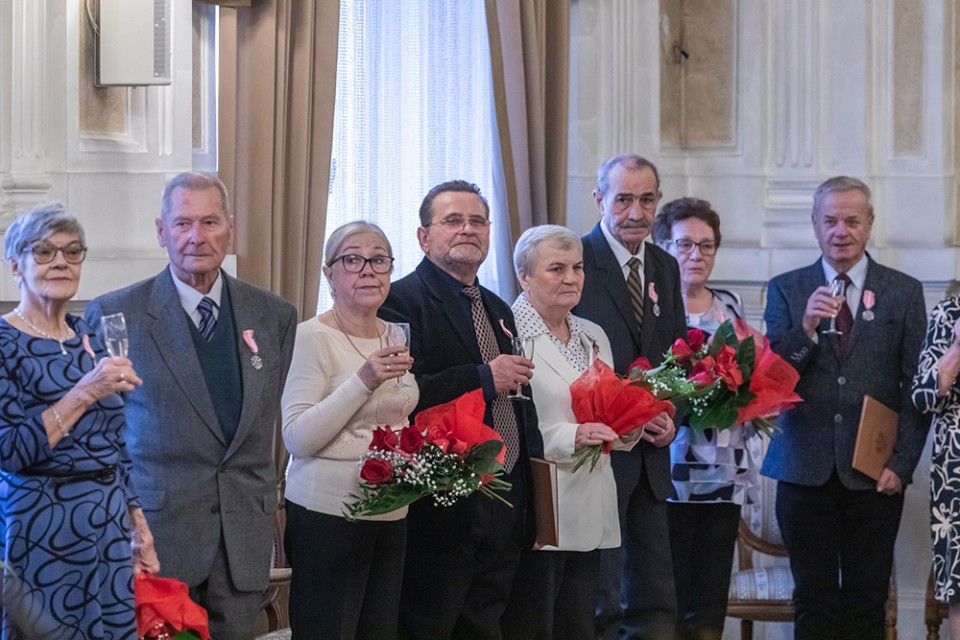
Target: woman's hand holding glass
[109,376]
[386,363]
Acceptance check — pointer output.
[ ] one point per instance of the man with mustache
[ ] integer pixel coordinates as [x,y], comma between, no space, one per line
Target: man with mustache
[632,290]
[461,559]
[839,525]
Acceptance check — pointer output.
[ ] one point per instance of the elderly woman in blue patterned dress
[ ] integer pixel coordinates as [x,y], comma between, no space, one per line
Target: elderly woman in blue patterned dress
[935,391]
[714,472]
[66,505]
[555,587]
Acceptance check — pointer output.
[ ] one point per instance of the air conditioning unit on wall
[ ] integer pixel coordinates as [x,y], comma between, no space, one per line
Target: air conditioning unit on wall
[133,45]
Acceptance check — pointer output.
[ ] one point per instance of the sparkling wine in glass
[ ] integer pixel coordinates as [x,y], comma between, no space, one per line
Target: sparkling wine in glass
[522,346]
[398,335]
[837,289]
[114,329]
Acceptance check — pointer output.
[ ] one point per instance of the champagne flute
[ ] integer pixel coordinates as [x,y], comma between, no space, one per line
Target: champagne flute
[521,347]
[398,335]
[114,328]
[837,289]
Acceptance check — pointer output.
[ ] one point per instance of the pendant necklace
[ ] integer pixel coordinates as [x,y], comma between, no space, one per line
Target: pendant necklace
[336,318]
[43,333]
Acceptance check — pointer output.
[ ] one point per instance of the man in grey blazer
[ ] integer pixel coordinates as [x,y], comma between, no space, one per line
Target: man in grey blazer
[632,289]
[838,524]
[213,353]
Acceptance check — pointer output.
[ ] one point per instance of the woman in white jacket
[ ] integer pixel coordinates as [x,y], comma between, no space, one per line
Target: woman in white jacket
[555,588]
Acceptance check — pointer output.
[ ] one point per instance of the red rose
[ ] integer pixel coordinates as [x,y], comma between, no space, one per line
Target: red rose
[410,440]
[438,437]
[640,363]
[681,350]
[376,471]
[696,338]
[384,438]
[727,368]
[702,372]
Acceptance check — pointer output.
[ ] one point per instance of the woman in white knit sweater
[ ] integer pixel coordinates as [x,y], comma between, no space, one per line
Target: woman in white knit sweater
[341,386]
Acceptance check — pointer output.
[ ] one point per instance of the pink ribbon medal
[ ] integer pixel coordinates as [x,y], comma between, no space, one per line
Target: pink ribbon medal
[869,299]
[503,326]
[255,360]
[652,294]
[87,347]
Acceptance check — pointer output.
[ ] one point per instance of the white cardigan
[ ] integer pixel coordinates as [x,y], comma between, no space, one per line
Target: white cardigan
[587,500]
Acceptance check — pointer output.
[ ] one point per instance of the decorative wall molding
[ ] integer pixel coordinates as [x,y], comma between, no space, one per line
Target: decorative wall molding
[795,83]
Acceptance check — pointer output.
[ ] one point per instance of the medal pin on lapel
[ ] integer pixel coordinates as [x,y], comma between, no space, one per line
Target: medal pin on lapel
[652,294]
[255,360]
[869,299]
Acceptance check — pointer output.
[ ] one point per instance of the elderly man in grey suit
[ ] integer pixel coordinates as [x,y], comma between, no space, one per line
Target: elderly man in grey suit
[213,353]
[838,524]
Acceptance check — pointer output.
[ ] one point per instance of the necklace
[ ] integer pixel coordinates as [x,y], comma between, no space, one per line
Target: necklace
[336,318]
[60,340]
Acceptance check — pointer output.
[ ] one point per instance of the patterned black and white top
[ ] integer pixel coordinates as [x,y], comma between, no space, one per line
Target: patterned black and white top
[709,465]
[945,464]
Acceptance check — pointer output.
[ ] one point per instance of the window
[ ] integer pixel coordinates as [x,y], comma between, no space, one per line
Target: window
[414,108]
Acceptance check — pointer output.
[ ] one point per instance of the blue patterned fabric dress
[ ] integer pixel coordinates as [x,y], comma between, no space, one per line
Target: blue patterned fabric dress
[945,463]
[65,539]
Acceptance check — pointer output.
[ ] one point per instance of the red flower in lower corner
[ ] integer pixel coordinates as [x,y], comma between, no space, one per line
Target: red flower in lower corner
[376,471]
[384,438]
[724,368]
[696,338]
[641,363]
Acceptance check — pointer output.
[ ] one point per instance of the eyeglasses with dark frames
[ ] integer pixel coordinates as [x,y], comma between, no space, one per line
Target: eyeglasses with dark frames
[354,264]
[686,245]
[45,252]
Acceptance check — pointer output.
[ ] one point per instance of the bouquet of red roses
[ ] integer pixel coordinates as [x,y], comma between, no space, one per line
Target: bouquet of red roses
[448,453]
[166,612]
[735,377]
[600,395]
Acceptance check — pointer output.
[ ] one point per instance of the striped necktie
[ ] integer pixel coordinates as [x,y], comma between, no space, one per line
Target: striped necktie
[635,286]
[208,322]
[504,419]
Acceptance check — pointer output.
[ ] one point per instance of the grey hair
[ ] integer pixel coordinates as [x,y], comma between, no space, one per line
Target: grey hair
[524,258]
[631,161]
[838,184]
[193,181]
[346,231]
[39,223]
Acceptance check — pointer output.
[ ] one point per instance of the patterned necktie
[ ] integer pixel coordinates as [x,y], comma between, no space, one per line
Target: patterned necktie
[844,318]
[208,322]
[635,286]
[504,419]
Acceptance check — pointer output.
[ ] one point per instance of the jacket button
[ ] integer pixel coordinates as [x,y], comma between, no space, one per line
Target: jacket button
[215,508]
[838,418]
[841,380]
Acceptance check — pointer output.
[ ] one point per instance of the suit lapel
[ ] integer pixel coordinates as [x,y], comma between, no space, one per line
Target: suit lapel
[171,335]
[650,318]
[247,315]
[611,274]
[452,309]
[876,283]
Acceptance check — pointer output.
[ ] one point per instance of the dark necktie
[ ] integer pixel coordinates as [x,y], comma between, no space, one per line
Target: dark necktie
[504,419]
[208,322]
[635,286]
[844,318]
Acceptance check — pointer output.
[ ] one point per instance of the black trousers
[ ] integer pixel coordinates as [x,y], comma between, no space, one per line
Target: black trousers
[553,596]
[346,575]
[460,565]
[702,539]
[841,554]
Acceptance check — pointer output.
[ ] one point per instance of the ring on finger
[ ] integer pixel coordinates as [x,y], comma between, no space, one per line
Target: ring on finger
[388,367]
[121,376]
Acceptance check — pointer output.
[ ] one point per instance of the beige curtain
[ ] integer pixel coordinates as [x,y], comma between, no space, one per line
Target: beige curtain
[530,54]
[278,78]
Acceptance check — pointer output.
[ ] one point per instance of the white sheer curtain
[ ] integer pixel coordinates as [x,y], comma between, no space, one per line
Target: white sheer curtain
[414,108]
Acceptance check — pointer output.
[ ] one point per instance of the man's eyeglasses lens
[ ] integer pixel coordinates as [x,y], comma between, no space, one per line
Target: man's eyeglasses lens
[707,247]
[45,253]
[355,264]
[455,223]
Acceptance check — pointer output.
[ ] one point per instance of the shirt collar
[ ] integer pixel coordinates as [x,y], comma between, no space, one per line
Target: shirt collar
[190,297]
[857,273]
[619,251]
